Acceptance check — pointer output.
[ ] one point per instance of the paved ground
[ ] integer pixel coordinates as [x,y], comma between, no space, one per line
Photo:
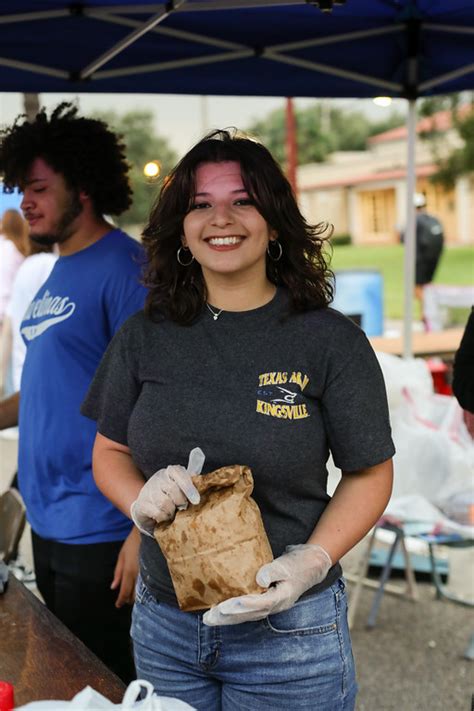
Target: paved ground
[413,659]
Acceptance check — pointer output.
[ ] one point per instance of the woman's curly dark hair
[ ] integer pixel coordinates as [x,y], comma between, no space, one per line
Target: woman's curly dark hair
[84,151]
[179,292]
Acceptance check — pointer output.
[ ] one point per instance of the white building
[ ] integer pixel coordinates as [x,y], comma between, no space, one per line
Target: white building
[363,193]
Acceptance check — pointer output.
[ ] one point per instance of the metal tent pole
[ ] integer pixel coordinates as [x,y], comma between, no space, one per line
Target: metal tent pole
[410,236]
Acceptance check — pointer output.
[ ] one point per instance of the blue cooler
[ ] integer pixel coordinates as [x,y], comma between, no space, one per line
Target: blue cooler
[359,295]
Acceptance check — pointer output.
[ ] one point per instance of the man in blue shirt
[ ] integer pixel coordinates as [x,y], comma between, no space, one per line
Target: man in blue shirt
[72,172]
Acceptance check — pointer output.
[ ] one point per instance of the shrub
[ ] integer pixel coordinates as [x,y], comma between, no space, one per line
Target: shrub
[338,240]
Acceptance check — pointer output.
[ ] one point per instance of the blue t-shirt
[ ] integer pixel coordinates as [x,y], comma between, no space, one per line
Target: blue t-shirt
[67,328]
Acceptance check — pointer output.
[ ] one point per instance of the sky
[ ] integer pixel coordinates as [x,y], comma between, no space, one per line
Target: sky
[183,119]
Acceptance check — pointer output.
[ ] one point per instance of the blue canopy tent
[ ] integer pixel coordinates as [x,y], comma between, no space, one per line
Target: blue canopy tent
[363,48]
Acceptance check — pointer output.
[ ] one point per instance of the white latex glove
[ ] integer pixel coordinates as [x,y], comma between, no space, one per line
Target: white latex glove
[164,492]
[294,572]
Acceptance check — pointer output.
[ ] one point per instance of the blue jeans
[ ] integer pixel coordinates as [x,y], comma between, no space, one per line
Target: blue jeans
[297,659]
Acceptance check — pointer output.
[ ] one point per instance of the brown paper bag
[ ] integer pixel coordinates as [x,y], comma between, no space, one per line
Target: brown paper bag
[215,548]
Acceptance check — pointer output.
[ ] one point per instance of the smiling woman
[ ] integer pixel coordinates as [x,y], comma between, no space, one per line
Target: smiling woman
[260,376]
[228,237]
[229,201]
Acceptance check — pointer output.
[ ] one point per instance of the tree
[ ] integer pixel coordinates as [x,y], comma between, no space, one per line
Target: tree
[322,129]
[143,145]
[393,120]
[458,161]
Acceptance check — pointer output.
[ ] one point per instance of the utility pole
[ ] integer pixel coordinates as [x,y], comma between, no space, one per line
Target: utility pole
[31,105]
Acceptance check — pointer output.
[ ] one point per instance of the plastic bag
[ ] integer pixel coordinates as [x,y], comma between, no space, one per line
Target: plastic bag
[90,700]
[459,507]
[434,462]
[3,576]
[404,374]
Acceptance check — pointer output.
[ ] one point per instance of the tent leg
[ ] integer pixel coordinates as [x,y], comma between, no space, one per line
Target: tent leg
[410,236]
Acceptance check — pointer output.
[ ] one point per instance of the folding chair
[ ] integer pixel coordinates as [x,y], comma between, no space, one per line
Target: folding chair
[360,578]
[381,585]
[12,523]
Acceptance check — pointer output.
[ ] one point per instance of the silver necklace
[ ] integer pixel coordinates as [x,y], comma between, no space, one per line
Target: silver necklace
[215,314]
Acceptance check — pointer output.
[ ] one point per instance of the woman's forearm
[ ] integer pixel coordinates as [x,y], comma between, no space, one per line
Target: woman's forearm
[115,474]
[358,502]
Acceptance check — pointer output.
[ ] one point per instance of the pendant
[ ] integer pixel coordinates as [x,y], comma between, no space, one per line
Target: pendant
[215,314]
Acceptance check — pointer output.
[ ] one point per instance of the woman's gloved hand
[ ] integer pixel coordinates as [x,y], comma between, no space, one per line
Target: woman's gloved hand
[166,491]
[294,572]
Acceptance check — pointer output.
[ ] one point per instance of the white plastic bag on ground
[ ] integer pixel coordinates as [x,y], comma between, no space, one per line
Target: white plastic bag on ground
[416,508]
[90,700]
[434,460]
[434,463]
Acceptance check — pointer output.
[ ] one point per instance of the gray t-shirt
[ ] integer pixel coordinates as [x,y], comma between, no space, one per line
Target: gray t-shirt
[261,388]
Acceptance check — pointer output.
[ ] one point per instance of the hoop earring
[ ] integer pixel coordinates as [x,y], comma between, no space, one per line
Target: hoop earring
[273,257]
[178,257]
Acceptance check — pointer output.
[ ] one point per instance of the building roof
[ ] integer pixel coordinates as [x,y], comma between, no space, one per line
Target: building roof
[440,121]
[422,171]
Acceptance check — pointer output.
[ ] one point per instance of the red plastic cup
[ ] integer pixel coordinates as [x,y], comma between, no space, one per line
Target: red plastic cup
[6,696]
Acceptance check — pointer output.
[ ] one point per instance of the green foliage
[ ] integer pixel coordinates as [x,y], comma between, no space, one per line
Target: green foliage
[143,145]
[461,160]
[321,130]
[338,240]
[433,104]
[270,130]
[393,120]
[350,130]
[315,137]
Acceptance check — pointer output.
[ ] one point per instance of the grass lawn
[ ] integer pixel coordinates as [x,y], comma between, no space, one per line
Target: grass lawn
[456,267]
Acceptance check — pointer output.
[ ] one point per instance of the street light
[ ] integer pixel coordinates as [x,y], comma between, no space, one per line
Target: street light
[152,169]
[382,101]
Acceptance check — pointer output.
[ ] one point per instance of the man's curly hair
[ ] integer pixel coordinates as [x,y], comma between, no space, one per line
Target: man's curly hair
[88,155]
